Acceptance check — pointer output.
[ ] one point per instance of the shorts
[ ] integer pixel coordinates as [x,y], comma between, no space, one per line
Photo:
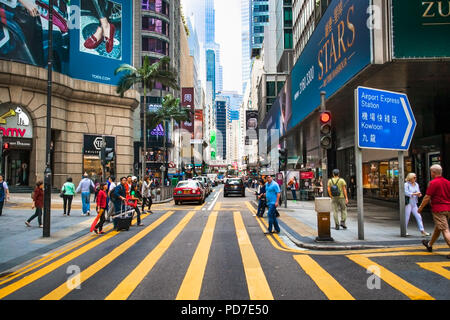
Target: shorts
[441,220]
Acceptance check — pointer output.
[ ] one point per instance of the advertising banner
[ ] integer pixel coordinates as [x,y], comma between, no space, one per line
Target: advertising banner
[92,144]
[91,38]
[251,126]
[187,101]
[198,126]
[339,48]
[420,28]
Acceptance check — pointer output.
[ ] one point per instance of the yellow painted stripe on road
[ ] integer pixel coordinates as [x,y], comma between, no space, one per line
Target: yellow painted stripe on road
[392,279]
[258,287]
[55,265]
[63,289]
[192,283]
[329,286]
[437,267]
[130,283]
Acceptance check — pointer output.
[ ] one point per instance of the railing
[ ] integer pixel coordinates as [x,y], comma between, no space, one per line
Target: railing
[163,193]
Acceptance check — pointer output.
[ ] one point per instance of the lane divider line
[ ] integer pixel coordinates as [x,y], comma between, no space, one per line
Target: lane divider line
[130,283]
[392,279]
[326,283]
[257,284]
[441,268]
[191,287]
[63,289]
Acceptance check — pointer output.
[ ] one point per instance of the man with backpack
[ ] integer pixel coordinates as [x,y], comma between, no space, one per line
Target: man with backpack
[337,190]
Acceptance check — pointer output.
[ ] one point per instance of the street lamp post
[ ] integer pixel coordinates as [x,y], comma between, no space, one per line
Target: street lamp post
[48,170]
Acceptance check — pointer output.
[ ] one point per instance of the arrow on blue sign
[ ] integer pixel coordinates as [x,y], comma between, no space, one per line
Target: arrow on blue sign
[384,119]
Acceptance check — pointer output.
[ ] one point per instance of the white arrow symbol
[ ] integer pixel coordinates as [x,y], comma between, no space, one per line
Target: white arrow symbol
[410,123]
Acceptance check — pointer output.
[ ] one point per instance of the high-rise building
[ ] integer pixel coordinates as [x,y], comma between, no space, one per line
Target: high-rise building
[221,128]
[156,35]
[245,40]
[259,19]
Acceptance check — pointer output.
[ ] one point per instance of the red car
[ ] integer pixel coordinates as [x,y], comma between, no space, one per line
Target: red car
[189,190]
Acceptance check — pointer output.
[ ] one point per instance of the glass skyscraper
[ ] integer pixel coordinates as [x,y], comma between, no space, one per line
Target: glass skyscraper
[259,19]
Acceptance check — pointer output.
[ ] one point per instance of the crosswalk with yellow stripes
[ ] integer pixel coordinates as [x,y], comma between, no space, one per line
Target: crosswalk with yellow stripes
[255,251]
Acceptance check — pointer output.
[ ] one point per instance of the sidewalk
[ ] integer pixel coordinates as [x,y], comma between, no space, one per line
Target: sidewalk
[381,227]
[19,243]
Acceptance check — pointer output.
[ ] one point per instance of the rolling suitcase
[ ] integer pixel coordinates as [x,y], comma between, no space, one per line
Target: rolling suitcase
[122,221]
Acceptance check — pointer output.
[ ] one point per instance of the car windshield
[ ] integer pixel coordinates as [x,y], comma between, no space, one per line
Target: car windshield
[234,181]
[187,184]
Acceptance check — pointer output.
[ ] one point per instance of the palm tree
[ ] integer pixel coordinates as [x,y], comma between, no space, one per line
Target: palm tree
[148,75]
[169,111]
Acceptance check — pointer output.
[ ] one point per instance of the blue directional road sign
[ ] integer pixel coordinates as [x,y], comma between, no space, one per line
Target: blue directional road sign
[384,119]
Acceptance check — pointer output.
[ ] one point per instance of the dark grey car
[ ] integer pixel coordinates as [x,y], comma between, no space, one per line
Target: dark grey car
[234,186]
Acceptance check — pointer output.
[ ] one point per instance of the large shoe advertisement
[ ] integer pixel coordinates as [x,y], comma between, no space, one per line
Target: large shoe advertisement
[91,38]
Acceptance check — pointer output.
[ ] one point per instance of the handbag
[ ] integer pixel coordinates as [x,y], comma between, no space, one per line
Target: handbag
[406,200]
[277,214]
[62,192]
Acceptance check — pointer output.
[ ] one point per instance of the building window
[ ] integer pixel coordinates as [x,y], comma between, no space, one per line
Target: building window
[288,43]
[155,45]
[158,6]
[155,25]
[270,89]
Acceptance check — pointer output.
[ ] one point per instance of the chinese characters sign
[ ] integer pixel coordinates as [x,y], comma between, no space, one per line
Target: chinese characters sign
[384,119]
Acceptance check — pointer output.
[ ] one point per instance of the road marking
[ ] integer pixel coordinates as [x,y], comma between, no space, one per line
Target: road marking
[392,279]
[130,283]
[63,289]
[192,283]
[437,267]
[214,201]
[329,286]
[258,287]
[55,265]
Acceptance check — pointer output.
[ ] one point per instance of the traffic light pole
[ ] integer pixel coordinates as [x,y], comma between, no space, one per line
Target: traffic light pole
[324,151]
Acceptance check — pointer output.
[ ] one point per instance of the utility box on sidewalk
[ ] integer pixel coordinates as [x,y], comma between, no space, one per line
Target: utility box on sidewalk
[323,209]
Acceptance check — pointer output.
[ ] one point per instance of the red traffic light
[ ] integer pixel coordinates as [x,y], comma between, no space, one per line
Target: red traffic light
[6,146]
[325,117]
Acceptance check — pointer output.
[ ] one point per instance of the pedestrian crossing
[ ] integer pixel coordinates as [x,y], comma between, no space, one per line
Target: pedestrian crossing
[192,237]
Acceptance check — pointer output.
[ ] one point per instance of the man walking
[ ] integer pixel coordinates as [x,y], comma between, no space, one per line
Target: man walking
[85,187]
[4,193]
[337,190]
[273,194]
[438,193]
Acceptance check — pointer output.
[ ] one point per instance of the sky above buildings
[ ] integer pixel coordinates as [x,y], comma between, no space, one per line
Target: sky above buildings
[228,35]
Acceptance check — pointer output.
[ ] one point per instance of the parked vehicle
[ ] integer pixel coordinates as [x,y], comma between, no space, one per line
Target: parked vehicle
[207,185]
[189,190]
[234,186]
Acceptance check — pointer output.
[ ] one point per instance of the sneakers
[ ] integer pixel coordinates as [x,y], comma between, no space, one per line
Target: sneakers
[337,227]
[343,226]
[425,243]
[96,231]
[83,214]
[425,234]
[27,224]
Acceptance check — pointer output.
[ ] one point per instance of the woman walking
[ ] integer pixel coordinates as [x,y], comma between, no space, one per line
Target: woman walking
[68,190]
[146,192]
[101,208]
[38,203]
[412,195]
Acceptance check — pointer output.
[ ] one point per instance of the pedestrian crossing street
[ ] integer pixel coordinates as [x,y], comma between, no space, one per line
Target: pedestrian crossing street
[188,253]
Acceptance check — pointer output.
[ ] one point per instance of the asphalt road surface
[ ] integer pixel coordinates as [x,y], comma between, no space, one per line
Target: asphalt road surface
[218,251]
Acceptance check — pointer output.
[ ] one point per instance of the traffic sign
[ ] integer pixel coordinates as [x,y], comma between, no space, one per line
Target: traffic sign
[384,119]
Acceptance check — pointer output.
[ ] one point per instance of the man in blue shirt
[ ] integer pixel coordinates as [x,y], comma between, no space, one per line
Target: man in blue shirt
[85,188]
[273,193]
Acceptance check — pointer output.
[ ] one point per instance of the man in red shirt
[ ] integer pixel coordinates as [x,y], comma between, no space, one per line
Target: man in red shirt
[438,193]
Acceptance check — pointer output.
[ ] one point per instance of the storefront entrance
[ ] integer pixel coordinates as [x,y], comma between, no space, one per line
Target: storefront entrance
[16,164]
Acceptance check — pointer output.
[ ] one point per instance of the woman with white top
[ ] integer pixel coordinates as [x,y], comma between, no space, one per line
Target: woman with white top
[412,193]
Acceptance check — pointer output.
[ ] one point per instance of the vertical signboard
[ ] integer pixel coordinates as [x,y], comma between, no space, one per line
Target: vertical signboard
[198,126]
[421,28]
[187,101]
[251,126]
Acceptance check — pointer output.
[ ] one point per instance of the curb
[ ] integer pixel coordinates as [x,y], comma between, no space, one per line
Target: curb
[336,247]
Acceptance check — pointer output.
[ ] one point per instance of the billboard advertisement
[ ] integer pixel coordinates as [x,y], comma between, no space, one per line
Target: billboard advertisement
[187,101]
[419,28]
[339,48]
[198,126]
[251,126]
[91,38]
